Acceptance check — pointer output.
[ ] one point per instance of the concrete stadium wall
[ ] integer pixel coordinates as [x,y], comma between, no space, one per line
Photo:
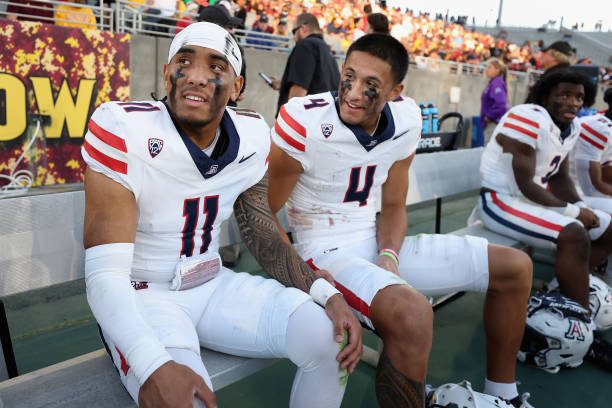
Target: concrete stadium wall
[148,54]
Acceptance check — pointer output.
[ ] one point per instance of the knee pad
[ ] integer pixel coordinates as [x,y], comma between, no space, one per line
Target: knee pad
[310,337]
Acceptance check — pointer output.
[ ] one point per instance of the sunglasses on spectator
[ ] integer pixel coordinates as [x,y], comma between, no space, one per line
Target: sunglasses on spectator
[295,29]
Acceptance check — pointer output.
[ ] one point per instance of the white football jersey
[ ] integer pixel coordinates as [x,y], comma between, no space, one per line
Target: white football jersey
[344,167]
[532,125]
[183,195]
[593,145]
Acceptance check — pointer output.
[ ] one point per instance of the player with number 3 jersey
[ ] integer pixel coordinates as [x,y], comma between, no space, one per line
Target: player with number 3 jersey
[338,158]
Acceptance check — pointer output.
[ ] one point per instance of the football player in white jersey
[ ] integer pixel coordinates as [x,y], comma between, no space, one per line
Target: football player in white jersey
[162,176]
[528,193]
[332,154]
[591,159]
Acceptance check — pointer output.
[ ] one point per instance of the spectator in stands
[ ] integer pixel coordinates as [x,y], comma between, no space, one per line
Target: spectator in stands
[30,10]
[336,27]
[557,55]
[160,14]
[262,25]
[311,67]
[241,13]
[357,31]
[281,27]
[377,23]
[74,15]
[494,99]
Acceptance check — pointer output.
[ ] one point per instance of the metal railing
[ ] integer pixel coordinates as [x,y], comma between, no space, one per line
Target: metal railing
[128,16]
[103,13]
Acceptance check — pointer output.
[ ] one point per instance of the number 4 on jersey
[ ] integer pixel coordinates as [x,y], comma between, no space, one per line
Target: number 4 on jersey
[354,193]
[191,212]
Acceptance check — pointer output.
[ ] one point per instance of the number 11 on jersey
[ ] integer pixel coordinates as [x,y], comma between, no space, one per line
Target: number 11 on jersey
[191,212]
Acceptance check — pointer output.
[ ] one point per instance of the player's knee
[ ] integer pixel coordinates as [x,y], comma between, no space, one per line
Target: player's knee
[310,337]
[575,236]
[511,270]
[404,318]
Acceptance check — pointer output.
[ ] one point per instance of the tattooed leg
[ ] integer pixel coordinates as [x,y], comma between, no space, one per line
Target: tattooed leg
[394,389]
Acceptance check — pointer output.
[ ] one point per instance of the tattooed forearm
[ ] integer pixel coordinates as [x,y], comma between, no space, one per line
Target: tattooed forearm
[262,238]
[394,389]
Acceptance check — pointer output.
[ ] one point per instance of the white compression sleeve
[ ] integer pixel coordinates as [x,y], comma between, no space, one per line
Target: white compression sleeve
[113,303]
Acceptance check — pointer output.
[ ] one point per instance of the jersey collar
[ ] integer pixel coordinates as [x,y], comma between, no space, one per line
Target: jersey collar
[384,131]
[208,166]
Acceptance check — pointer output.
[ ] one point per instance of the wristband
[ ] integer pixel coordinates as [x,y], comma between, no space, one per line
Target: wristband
[571,210]
[390,254]
[321,290]
[391,251]
[581,204]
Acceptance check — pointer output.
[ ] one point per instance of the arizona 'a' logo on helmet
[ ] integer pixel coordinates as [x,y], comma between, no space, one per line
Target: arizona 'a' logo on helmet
[574,331]
[327,129]
[155,146]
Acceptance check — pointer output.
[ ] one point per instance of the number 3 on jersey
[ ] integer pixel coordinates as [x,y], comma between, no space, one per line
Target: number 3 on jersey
[191,212]
[354,193]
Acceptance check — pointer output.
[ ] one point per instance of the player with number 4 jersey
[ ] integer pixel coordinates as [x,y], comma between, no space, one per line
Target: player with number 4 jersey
[340,157]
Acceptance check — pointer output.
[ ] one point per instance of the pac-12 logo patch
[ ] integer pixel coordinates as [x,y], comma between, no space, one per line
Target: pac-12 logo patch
[155,146]
[327,129]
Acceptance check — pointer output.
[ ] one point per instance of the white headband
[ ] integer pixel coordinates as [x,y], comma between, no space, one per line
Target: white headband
[208,35]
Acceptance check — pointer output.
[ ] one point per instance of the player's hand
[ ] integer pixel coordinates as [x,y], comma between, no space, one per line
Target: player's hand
[343,319]
[174,385]
[322,273]
[276,83]
[387,263]
[588,218]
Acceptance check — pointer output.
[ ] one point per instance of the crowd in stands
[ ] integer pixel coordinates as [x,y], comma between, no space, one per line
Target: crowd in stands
[436,37]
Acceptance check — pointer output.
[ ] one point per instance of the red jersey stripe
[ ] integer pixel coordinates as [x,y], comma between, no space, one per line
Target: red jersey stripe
[351,298]
[524,120]
[291,141]
[594,133]
[591,141]
[113,164]
[107,137]
[520,129]
[525,216]
[292,122]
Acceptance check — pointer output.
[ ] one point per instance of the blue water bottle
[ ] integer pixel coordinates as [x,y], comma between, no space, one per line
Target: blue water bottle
[425,116]
[433,112]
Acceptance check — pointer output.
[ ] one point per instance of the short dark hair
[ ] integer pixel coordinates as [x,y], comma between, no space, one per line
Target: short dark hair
[387,49]
[379,23]
[608,96]
[540,91]
[308,20]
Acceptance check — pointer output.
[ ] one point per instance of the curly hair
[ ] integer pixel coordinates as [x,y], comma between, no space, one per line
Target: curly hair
[540,91]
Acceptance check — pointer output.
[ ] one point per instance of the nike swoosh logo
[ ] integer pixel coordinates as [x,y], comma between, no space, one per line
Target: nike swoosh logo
[245,158]
[400,135]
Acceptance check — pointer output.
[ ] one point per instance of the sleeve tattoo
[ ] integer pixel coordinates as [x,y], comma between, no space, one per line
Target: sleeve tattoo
[260,235]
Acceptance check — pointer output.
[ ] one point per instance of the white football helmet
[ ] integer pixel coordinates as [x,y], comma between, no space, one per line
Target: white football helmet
[462,395]
[558,332]
[600,303]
